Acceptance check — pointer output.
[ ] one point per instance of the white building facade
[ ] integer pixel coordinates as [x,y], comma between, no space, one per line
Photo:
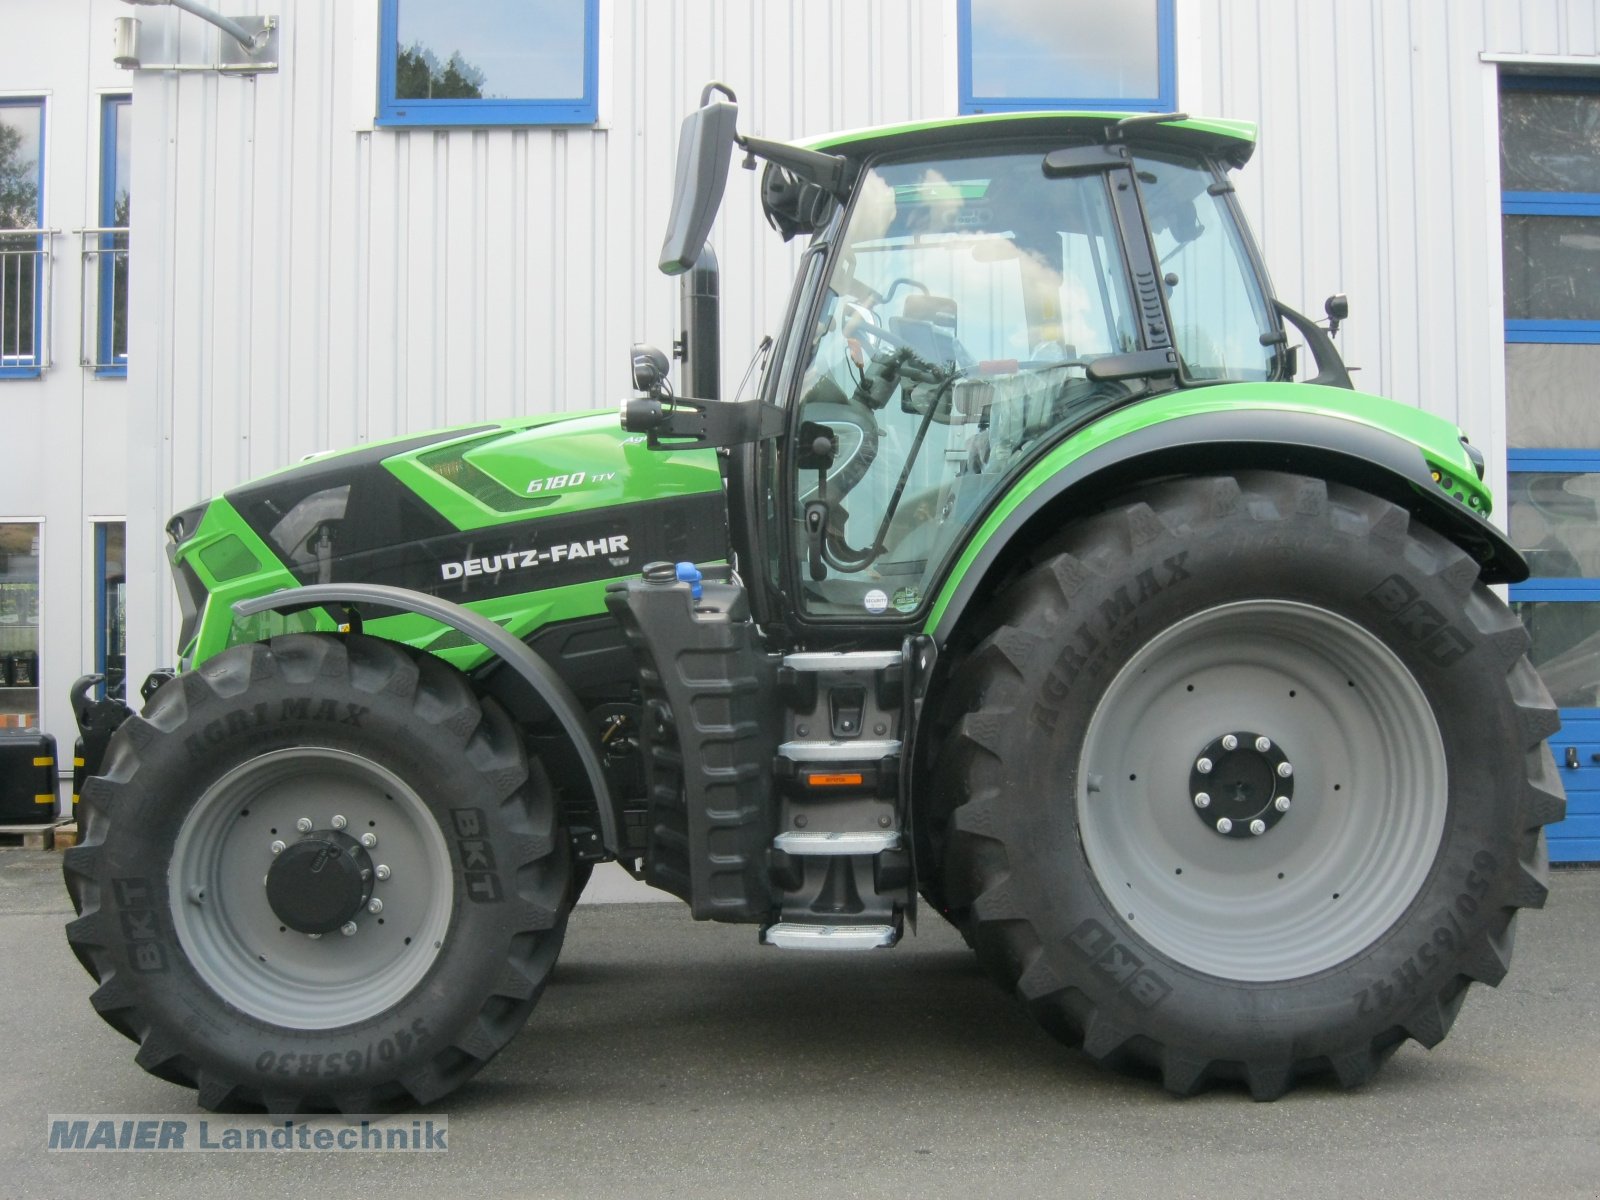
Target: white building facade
[317,256]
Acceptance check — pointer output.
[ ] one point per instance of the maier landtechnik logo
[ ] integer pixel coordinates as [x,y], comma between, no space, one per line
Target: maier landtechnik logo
[118,1133]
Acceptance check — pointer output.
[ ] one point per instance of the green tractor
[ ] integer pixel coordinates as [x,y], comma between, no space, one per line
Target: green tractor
[1027,585]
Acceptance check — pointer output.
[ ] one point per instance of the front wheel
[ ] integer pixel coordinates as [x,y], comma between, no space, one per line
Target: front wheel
[318,873]
[1250,783]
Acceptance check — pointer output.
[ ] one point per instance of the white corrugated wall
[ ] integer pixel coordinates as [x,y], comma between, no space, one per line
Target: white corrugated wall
[303,280]
[1377,173]
[307,281]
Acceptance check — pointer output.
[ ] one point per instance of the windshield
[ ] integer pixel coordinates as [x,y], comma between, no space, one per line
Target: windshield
[963,307]
[964,303]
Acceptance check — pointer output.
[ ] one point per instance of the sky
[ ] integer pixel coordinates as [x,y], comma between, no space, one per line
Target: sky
[525,48]
[1041,49]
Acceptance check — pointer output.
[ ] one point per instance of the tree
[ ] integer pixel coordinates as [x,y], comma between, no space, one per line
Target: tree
[420,76]
[19,182]
[19,262]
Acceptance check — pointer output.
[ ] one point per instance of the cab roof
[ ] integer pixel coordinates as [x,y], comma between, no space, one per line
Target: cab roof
[1233,141]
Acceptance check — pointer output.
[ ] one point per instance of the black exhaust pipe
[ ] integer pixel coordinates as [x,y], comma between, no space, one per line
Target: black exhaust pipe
[700,346]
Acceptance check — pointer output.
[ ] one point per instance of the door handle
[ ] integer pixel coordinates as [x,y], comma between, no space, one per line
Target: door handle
[1572,758]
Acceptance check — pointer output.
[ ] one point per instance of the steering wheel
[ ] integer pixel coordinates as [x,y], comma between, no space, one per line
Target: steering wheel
[861,323]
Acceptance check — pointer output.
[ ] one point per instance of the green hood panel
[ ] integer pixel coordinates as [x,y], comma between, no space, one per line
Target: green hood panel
[550,467]
[523,521]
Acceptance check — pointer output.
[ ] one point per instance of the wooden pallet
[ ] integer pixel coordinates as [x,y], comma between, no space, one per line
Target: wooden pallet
[36,837]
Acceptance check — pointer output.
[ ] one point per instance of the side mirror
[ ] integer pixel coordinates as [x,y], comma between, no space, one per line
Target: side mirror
[1337,306]
[705,147]
[649,368]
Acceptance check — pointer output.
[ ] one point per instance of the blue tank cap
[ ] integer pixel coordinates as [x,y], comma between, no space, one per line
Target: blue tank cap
[690,574]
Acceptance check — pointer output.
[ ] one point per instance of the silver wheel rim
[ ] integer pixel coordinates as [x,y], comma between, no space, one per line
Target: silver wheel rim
[238,944]
[1351,854]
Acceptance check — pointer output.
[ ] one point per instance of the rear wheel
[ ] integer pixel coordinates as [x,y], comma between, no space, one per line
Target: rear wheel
[318,873]
[1250,783]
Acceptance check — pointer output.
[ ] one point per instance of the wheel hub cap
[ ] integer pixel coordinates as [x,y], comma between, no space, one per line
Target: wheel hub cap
[1241,784]
[320,882]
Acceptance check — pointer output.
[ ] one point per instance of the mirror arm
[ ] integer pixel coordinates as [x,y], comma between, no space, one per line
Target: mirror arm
[828,171]
[685,424]
[1331,371]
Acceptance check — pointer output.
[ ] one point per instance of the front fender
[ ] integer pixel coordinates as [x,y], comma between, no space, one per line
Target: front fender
[1383,448]
[522,659]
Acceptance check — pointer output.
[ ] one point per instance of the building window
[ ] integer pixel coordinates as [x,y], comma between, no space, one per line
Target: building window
[105,249]
[1074,54]
[110,608]
[1550,249]
[496,62]
[24,255]
[19,625]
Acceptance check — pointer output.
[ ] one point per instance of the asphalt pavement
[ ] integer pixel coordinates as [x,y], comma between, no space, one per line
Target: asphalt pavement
[676,1059]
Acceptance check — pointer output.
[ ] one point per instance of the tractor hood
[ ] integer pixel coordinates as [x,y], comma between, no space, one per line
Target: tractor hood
[480,515]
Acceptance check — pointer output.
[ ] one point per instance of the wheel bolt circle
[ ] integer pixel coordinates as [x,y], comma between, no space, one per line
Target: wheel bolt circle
[369,840]
[1263,744]
[1281,804]
[1229,742]
[278,847]
[374,906]
[1286,769]
[1202,800]
[1258,827]
[1224,825]
[338,822]
[304,825]
[381,871]
[348,928]
[1203,766]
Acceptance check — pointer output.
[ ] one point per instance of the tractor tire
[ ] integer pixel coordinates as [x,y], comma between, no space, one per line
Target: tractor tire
[318,874]
[1287,907]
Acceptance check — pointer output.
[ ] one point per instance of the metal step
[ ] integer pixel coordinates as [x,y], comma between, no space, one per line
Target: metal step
[862,750]
[789,935]
[857,660]
[819,842]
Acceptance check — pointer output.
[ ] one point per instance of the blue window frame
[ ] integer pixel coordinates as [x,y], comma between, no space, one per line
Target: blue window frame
[112,259]
[492,62]
[110,608]
[23,262]
[1016,56]
[1550,206]
[1568,196]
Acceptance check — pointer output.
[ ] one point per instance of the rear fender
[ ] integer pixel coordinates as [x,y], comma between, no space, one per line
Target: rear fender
[1304,441]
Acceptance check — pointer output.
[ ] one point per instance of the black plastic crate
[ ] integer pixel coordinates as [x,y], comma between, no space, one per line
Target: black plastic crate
[27,777]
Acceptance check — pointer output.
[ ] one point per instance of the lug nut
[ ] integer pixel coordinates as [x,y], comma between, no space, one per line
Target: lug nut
[338,822]
[348,928]
[1202,800]
[1224,825]
[1229,742]
[278,847]
[1281,804]
[369,840]
[1263,744]
[304,825]
[315,937]
[1203,766]
[382,871]
[374,906]
[1258,827]
[1285,769]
